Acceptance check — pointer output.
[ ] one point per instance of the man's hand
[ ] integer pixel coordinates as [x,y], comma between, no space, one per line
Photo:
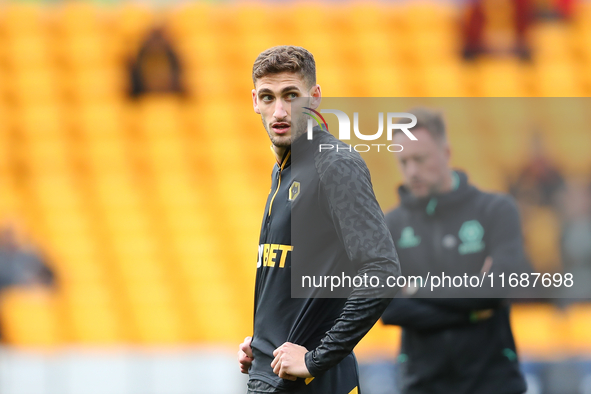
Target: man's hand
[289,362]
[245,355]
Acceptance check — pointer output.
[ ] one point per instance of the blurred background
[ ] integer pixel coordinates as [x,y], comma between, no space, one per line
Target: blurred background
[133,174]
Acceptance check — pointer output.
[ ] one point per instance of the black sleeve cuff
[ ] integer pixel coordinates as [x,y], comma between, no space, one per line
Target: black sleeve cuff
[311,365]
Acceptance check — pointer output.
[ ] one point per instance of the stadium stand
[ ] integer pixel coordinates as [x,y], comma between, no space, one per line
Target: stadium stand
[151,238]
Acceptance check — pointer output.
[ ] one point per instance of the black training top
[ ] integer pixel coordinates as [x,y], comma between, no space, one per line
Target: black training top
[338,229]
[446,348]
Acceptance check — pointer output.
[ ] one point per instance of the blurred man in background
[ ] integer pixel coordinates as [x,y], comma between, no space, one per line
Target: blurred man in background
[540,181]
[487,23]
[304,345]
[444,224]
[157,68]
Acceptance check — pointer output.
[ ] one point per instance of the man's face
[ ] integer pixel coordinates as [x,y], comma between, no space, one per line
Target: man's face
[424,163]
[272,98]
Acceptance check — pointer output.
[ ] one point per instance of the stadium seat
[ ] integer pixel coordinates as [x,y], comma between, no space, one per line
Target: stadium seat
[502,78]
[97,85]
[551,42]
[27,52]
[22,18]
[155,318]
[99,121]
[579,324]
[85,51]
[132,21]
[34,87]
[566,134]
[539,331]
[380,342]
[91,313]
[558,79]
[541,229]
[79,18]
[443,80]
[30,317]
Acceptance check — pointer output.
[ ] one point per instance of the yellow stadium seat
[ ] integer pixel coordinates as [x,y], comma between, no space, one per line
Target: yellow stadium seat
[134,20]
[579,326]
[154,314]
[40,122]
[91,312]
[124,216]
[20,18]
[386,81]
[30,51]
[428,47]
[74,266]
[541,228]
[566,134]
[560,79]
[100,122]
[30,317]
[86,51]
[159,116]
[228,314]
[380,342]
[47,156]
[158,324]
[502,78]
[443,80]
[95,323]
[77,18]
[203,52]
[107,156]
[167,154]
[539,331]
[552,42]
[134,267]
[34,87]
[368,18]
[98,85]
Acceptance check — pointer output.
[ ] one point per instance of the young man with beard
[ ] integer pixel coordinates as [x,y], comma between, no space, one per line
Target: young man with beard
[304,345]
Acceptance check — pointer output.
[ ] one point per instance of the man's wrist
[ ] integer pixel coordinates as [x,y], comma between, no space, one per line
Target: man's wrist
[310,363]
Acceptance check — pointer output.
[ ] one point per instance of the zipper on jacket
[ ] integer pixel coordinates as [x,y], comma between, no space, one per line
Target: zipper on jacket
[278,183]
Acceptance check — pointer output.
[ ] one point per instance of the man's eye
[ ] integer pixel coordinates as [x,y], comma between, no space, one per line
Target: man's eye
[267,97]
[292,96]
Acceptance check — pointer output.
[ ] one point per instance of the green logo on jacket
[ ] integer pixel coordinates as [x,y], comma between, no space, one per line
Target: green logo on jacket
[408,239]
[471,234]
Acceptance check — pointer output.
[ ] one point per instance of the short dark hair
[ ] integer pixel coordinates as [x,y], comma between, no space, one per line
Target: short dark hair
[430,120]
[285,58]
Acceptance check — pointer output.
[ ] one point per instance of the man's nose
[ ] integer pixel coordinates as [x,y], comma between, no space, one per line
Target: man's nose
[411,169]
[280,111]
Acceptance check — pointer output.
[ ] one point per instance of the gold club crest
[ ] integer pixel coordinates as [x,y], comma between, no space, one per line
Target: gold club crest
[294,190]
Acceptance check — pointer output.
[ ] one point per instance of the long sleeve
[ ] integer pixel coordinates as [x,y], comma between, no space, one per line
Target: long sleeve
[360,224]
[505,247]
[417,314]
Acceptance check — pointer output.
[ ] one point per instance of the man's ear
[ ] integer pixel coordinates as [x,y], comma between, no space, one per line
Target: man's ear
[316,96]
[447,151]
[255,102]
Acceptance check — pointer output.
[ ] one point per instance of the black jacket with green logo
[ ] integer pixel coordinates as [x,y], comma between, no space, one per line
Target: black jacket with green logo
[446,347]
[321,217]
